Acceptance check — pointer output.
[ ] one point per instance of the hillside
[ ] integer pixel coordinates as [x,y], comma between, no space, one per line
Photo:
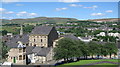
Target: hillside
[105,20]
[39,20]
[57,20]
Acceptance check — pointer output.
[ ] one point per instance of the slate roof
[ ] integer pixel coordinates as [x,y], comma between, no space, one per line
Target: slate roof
[36,49]
[71,36]
[86,38]
[13,41]
[42,30]
[29,49]
[41,51]
[6,38]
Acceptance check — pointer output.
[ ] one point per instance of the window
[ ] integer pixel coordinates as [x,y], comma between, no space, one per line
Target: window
[37,36]
[27,44]
[20,57]
[16,58]
[23,49]
[34,45]
[45,36]
[24,57]
[41,40]
[34,40]
[20,50]
[30,44]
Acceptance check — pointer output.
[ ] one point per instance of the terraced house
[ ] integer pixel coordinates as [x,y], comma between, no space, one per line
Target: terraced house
[34,47]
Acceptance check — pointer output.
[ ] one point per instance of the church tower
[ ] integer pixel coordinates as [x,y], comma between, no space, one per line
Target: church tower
[21,30]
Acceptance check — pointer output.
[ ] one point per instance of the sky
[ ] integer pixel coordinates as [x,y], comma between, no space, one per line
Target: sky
[78,10]
[59,0]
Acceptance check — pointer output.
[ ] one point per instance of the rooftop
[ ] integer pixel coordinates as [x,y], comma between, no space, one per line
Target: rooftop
[42,30]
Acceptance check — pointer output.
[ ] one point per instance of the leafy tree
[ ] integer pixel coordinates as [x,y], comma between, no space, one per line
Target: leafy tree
[111,48]
[78,46]
[4,32]
[28,28]
[93,48]
[85,50]
[5,49]
[65,49]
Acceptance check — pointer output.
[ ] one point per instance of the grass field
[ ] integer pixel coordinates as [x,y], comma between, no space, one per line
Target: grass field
[101,63]
[10,28]
[83,62]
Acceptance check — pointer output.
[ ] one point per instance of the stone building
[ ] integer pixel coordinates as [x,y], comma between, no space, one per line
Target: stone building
[36,46]
[43,36]
[17,53]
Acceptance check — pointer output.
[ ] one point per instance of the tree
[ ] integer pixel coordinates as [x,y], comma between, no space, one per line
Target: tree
[28,28]
[79,48]
[4,32]
[111,48]
[65,49]
[93,48]
[5,49]
[85,50]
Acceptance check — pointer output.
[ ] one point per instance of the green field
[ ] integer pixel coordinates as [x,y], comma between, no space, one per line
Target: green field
[86,62]
[83,62]
[10,28]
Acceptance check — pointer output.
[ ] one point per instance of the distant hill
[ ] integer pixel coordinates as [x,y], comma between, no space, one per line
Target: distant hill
[106,20]
[40,20]
[57,20]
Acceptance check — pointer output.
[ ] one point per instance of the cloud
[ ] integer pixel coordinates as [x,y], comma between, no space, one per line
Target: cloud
[109,11]
[9,12]
[10,0]
[19,5]
[3,17]
[97,14]
[32,14]
[59,9]
[75,5]
[68,1]
[24,13]
[2,9]
[93,7]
